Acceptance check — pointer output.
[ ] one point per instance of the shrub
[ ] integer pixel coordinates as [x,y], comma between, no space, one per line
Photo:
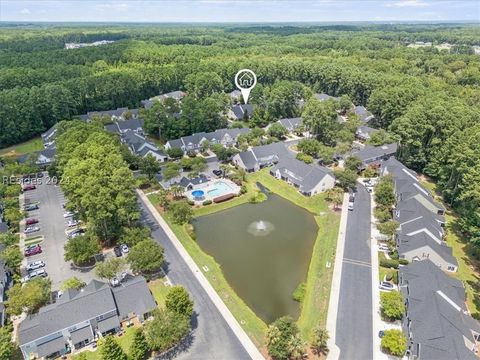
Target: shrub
[307,159]
[279,337]
[392,305]
[243,189]
[191,202]
[382,214]
[403,261]
[178,300]
[190,231]
[207,202]
[389,263]
[394,342]
[299,292]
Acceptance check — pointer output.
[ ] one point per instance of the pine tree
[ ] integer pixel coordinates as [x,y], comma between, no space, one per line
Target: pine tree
[111,350]
[139,347]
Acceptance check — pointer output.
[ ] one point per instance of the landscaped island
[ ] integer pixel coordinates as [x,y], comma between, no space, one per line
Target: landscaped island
[317,251]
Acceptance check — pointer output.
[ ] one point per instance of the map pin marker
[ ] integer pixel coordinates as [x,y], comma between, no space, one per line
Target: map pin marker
[245,80]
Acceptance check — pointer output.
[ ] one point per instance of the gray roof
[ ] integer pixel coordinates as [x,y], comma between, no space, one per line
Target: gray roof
[436,313]
[110,113]
[374,153]
[176,143]
[413,242]
[269,150]
[3,227]
[81,334]
[240,110]
[214,136]
[49,153]
[51,347]
[412,209]
[93,300]
[365,131]
[108,324]
[291,123]
[324,96]
[112,128]
[363,114]
[305,176]
[195,181]
[422,224]
[248,159]
[49,133]
[139,144]
[131,124]
[133,296]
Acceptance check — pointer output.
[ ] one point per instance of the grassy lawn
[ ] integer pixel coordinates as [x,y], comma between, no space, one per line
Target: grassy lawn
[159,290]
[29,146]
[468,267]
[318,283]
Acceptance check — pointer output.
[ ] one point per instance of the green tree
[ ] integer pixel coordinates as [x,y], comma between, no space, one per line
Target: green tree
[110,268]
[12,257]
[29,297]
[392,305]
[166,329]
[139,347]
[394,342]
[335,196]
[111,350]
[320,118]
[7,347]
[277,130]
[170,171]
[385,192]
[175,153]
[346,179]
[72,283]
[307,159]
[296,347]
[279,336]
[319,340]
[81,249]
[388,228]
[181,212]
[353,163]
[149,166]
[146,256]
[178,300]
[132,236]
[309,147]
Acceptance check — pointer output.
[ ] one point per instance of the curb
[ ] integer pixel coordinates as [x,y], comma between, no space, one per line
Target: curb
[212,294]
[334,350]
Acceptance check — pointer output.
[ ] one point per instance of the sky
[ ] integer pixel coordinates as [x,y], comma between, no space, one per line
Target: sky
[239,10]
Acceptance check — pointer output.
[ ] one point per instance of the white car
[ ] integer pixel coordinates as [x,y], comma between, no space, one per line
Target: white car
[31,229]
[34,274]
[68,214]
[35,265]
[72,223]
[385,285]
[350,205]
[383,247]
[124,249]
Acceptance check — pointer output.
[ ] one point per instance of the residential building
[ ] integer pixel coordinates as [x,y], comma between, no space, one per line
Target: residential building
[291,124]
[363,132]
[240,112]
[122,126]
[82,316]
[42,158]
[437,323]
[420,246]
[189,184]
[48,137]
[176,95]
[114,115]
[259,157]
[235,95]
[363,114]
[375,154]
[323,97]
[140,146]
[225,137]
[308,179]
[5,279]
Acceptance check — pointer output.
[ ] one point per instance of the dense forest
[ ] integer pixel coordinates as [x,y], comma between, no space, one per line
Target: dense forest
[427,98]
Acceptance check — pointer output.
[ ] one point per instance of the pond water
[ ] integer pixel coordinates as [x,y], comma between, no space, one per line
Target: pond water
[264,251]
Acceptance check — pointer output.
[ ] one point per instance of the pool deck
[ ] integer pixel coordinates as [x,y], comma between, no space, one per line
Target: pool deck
[209,186]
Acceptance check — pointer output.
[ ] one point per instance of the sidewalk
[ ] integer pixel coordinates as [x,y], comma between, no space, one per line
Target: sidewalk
[334,350]
[212,294]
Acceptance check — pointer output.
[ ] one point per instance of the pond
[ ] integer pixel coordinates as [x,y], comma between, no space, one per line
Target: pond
[264,251]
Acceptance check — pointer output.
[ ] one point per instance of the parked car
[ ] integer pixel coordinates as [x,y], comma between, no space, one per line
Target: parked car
[35,274]
[217,172]
[124,249]
[35,265]
[381,334]
[74,233]
[33,250]
[68,214]
[350,205]
[385,285]
[29,187]
[383,247]
[31,207]
[31,221]
[117,251]
[73,222]
[31,229]
[123,275]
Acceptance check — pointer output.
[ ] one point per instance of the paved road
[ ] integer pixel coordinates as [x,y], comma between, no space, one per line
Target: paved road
[354,318]
[212,337]
[52,226]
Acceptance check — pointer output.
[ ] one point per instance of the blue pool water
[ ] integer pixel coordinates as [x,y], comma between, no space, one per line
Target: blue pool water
[220,188]
[198,193]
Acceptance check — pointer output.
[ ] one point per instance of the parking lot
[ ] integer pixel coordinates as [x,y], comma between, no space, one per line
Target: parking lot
[52,226]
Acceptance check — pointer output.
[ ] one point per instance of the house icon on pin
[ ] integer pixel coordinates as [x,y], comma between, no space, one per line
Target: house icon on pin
[246,80]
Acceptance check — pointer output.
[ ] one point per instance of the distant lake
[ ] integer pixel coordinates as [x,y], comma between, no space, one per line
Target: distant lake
[264,251]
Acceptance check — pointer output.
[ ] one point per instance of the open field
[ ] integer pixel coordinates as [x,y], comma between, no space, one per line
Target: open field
[318,282]
[26,147]
[468,266]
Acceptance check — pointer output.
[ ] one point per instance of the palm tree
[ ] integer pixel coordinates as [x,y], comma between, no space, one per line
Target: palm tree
[296,347]
[273,335]
[177,191]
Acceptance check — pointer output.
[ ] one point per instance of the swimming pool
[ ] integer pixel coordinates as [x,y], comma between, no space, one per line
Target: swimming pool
[220,188]
[198,194]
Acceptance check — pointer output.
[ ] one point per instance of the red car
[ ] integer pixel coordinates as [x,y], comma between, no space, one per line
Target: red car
[29,187]
[31,221]
[34,250]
